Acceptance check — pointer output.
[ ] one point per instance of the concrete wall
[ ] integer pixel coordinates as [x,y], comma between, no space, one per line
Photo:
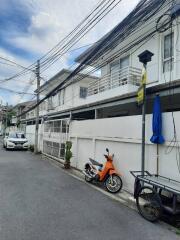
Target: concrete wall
[30,135]
[123,138]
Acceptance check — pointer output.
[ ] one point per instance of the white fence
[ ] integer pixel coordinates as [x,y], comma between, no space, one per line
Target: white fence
[123,138]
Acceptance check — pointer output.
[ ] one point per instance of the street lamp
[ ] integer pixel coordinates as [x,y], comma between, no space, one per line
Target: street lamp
[144,58]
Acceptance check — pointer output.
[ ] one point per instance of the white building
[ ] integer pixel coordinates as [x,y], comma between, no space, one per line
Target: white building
[55,113]
[96,113]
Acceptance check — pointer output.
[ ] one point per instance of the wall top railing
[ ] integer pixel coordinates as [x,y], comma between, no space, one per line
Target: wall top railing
[127,75]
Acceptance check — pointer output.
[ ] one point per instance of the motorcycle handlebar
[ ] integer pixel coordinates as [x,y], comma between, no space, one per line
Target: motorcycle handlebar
[106,156]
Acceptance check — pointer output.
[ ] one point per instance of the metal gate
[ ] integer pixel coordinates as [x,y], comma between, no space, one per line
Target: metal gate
[55,135]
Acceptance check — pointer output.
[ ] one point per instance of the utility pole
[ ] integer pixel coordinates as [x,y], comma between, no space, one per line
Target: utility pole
[37,108]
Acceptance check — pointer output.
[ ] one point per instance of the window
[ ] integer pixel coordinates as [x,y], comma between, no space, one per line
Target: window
[16,135]
[168,53]
[83,92]
[118,76]
[124,62]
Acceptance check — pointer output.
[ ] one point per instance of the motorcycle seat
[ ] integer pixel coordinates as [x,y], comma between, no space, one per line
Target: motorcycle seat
[94,162]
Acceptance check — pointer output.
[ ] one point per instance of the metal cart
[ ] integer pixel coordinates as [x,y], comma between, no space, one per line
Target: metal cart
[156,195]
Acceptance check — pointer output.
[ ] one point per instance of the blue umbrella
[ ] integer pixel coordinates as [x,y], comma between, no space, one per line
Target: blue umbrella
[157,127]
[157,122]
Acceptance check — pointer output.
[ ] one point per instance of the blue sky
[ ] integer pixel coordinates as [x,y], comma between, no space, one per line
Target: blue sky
[29,28]
[14,20]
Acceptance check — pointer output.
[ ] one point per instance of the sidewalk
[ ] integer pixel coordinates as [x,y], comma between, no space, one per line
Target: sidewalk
[123,196]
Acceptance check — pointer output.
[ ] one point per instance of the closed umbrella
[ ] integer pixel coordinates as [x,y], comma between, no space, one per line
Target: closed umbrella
[157,127]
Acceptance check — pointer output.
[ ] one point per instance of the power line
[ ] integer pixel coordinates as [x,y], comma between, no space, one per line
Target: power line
[82,32]
[16,64]
[32,66]
[66,37]
[87,60]
[121,51]
[18,92]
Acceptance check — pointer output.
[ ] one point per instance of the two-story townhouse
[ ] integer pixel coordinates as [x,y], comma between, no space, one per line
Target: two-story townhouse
[154,26]
[55,112]
[109,115]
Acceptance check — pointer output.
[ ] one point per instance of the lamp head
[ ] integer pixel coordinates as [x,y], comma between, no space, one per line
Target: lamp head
[145,57]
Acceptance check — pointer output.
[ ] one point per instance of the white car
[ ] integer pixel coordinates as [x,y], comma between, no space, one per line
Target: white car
[15,141]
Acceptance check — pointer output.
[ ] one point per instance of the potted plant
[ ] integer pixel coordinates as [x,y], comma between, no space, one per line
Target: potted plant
[68,155]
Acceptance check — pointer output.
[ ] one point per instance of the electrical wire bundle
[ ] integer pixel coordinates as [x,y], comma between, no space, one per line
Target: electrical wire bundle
[144,11]
[134,22]
[95,16]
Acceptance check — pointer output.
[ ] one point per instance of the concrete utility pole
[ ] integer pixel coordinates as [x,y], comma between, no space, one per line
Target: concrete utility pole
[37,108]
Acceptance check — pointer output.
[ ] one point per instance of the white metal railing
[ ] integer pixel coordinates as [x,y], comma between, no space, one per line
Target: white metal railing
[127,75]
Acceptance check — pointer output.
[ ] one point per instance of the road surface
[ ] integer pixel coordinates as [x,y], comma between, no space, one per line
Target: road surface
[39,201]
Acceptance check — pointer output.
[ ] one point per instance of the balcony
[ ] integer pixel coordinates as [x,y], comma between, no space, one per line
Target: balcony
[123,77]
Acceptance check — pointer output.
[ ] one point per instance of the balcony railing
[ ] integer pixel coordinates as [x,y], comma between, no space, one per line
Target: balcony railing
[124,76]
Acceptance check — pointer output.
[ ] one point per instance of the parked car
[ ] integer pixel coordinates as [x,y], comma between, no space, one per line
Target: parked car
[15,140]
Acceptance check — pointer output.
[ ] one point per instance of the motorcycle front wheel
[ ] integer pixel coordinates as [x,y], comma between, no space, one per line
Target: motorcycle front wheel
[87,179]
[114,184]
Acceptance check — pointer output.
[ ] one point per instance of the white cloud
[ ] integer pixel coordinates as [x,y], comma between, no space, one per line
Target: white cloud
[51,22]
[56,18]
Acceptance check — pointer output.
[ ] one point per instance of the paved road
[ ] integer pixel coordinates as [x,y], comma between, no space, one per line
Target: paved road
[40,202]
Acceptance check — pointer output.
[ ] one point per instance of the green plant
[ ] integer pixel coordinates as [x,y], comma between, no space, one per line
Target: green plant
[68,154]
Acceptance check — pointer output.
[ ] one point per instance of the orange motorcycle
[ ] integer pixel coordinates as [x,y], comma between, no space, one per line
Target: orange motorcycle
[95,171]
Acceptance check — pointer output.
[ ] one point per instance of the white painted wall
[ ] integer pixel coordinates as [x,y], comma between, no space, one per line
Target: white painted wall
[71,98]
[123,137]
[30,135]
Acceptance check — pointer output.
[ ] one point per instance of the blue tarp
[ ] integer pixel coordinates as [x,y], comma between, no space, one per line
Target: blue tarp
[157,122]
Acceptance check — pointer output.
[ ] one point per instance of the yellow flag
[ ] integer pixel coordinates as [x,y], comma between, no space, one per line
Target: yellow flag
[140,95]
[144,76]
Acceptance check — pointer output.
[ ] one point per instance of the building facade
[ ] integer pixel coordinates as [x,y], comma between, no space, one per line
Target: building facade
[99,112]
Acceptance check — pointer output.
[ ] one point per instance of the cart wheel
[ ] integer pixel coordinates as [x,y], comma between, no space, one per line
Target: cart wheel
[149,204]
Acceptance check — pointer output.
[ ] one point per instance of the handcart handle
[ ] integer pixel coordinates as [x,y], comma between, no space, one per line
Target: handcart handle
[139,173]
